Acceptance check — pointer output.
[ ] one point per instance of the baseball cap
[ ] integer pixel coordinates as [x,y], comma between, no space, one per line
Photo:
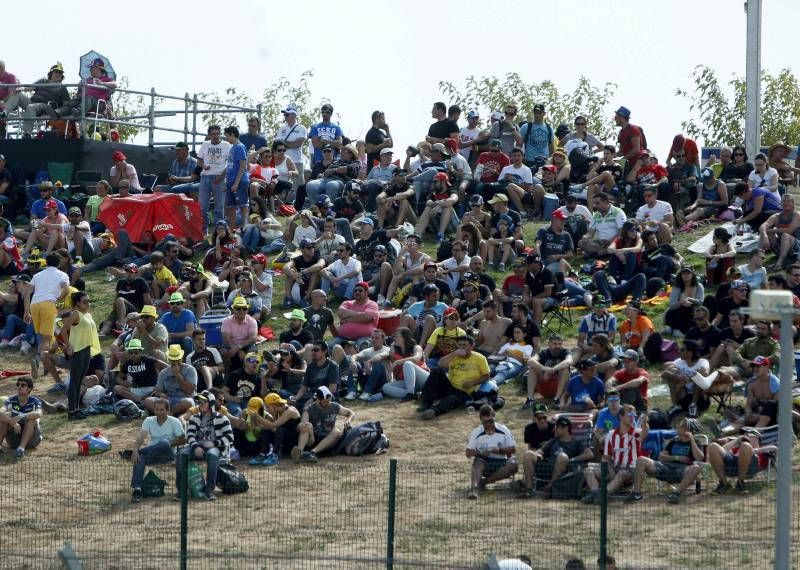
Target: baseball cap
[51,204]
[496,143]
[539,409]
[631,354]
[386,151]
[587,363]
[304,243]
[441,148]
[558,214]
[706,174]
[450,311]
[739,284]
[323,199]
[599,301]
[274,399]
[538,108]
[380,248]
[118,156]
[563,421]
[363,285]
[496,116]
[476,200]
[472,114]
[443,177]
[74,210]
[498,198]
[367,220]
[550,168]
[260,258]
[429,288]
[327,147]
[180,145]
[429,264]
[322,393]
[624,112]
[289,110]
[612,393]
[24,277]
[533,258]
[762,361]
[132,267]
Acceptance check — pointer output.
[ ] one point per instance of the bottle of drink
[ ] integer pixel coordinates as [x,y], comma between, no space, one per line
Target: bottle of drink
[78,261]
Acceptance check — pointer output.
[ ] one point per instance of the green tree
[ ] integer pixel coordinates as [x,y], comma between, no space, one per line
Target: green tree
[489,93]
[274,98]
[718,110]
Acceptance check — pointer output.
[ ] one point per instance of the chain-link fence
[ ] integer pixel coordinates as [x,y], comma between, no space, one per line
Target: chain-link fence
[358,514]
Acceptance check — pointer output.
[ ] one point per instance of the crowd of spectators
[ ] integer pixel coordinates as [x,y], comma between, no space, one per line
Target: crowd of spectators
[437,329]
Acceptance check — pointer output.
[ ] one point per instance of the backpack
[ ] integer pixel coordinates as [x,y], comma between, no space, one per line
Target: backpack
[366,439]
[126,410]
[658,419]
[230,480]
[652,348]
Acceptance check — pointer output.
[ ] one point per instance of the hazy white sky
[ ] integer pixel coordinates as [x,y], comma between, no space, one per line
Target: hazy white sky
[390,55]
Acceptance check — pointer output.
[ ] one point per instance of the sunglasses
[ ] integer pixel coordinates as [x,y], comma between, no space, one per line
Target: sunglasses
[678,155]
[327,150]
[174,304]
[252,360]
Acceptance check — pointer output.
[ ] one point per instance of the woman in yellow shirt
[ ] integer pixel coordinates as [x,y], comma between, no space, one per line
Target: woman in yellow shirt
[81,332]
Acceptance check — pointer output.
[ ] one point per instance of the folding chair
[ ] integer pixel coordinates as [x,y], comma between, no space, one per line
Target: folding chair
[582,426]
[61,171]
[767,436]
[148,182]
[560,314]
[721,391]
[88,178]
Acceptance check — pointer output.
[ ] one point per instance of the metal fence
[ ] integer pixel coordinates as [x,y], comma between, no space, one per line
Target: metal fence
[367,513]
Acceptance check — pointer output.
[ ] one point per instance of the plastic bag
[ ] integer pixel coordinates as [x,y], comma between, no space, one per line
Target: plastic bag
[197,483]
[153,485]
[93,443]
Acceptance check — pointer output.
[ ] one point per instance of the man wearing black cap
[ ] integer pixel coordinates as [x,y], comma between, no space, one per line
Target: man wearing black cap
[539,287]
[540,430]
[559,455]
[182,177]
[393,203]
[554,244]
[585,391]
[631,138]
[537,136]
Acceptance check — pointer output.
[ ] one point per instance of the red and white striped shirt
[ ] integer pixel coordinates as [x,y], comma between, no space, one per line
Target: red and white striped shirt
[623,448]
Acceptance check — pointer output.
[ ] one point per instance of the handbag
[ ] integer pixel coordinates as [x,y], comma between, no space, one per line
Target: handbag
[230,480]
[153,485]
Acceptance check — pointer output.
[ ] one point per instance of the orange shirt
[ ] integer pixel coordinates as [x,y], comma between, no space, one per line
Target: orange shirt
[632,332]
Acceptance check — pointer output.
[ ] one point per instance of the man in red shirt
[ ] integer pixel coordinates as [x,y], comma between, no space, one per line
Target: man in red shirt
[632,381]
[487,170]
[621,451]
[647,174]
[631,139]
[689,148]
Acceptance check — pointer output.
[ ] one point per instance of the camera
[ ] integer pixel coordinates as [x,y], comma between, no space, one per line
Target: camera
[414,151]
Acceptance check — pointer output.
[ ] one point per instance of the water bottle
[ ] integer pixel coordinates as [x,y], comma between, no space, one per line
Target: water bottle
[78,261]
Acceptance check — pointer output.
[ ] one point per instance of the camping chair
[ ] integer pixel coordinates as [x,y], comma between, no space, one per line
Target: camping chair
[61,171]
[560,314]
[721,391]
[148,182]
[582,426]
[767,436]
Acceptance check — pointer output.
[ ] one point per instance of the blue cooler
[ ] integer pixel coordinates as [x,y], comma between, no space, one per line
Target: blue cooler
[211,322]
[549,206]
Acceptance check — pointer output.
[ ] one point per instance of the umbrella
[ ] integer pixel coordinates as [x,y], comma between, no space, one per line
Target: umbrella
[161,214]
[88,60]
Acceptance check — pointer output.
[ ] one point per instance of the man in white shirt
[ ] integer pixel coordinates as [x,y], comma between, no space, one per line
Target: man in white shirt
[294,136]
[656,215]
[605,226]
[467,136]
[451,269]
[519,179]
[343,274]
[213,159]
[165,433]
[491,447]
[47,288]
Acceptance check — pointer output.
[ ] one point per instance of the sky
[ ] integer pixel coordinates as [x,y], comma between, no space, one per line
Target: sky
[390,55]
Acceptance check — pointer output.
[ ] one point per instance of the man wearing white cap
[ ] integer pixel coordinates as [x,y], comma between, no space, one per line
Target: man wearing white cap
[318,426]
[294,136]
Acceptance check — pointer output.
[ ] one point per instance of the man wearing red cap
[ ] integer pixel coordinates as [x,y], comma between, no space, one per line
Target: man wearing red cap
[761,407]
[123,171]
[48,232]
[554,244]
[439,204]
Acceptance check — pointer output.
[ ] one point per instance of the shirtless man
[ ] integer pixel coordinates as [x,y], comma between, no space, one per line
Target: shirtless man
[491,329]
[761,407]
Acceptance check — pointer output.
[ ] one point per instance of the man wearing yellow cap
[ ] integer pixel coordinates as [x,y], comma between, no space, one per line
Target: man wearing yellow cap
[153,334]
[177,383]
[44,101]
[278,422]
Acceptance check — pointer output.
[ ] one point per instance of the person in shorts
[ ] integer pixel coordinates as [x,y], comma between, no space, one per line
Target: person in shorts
[741,457]
[676,464]
[317,427]
[138,373]
[237,179]
[49,286]
[19,420]
[491,448]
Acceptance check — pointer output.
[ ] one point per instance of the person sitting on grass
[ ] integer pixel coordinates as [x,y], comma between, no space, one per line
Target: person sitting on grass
[138,374]
[599,321]
[209,436]
[675,464]
[491,447]
[245,289]
[177,383]
[19,420]
[560,455]
[621,452]
[741,457]
[165,433]
[549,365]
[602,351]
[456,377]
[636,328]
[317,426]
[179,322]
[239,333]
[278,422]
[585,391]
[631,381]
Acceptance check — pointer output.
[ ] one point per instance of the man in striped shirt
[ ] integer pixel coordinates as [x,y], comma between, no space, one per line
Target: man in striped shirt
[621,451]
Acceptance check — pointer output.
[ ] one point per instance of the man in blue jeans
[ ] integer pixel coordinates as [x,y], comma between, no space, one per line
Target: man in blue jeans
[165,433]
[635,287]
[213,158]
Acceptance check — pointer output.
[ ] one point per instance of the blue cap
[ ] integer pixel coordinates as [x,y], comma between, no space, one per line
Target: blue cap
[367,220]
[624,111]
[472,114]
[706,174]
[323,199]
[289,109]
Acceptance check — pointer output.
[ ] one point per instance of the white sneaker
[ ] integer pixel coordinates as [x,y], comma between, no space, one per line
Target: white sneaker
[25,347]
[381,299]
[364,396]
[587,299]
[350,396]
[16,341]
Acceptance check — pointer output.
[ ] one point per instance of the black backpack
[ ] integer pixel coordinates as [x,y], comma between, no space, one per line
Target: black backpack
[365,439]
[652,348]
[230,480]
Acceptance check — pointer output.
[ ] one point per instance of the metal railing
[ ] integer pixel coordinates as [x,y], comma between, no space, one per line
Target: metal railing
[193,107]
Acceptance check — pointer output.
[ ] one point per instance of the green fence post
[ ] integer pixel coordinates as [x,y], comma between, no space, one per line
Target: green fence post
[390,514]
[183,489]
[603,513]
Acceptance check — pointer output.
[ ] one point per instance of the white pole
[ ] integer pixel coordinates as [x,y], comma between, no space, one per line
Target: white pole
[752,117]
[783,518]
